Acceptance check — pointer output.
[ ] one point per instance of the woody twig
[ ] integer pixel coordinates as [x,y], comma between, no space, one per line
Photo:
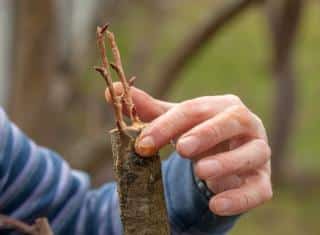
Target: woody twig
[104,70]
[140,187]
[118,67]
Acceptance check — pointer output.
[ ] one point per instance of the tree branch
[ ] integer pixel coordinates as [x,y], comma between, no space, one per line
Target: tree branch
[40,227]
[179,59]
[105,73]
[284,17]
[118,67]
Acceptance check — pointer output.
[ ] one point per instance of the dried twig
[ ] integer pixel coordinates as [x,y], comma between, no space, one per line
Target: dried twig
[116,100]
[105,73]
[140,187]
[118,67]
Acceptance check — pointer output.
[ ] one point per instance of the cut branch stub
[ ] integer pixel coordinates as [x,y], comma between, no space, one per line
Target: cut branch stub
[141,195]
[140,187]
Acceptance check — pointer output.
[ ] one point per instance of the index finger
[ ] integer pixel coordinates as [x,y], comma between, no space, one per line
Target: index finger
[177,121]
[147,107]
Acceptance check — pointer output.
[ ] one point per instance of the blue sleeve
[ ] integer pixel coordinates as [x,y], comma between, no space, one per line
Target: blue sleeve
[187,206]
[35,182]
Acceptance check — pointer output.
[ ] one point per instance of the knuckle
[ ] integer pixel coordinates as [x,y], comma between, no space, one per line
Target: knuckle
[228,165]
[197,108]
[263,149]
[259,127]
[266,187]
[245,202]
[268,192]
[233,99]
[241,110]
[258,120]
[241,115]
[214,131]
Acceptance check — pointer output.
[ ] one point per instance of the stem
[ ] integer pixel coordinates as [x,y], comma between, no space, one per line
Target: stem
[105,73]
[118,67]
[116,100]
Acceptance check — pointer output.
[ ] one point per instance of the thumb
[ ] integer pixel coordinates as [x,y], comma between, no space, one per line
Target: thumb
[147,107]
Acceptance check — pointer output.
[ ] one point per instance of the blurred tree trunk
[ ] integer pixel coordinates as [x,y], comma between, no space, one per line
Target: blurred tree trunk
[34,63]
[5,29]
[48,98]
[284,17]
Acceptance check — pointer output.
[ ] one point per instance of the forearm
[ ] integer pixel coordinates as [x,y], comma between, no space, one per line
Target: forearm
[187,206]
[36,182]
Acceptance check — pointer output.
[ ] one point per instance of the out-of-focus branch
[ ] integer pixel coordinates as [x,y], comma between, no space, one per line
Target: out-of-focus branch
[169,73]
[284,17]
[40,227]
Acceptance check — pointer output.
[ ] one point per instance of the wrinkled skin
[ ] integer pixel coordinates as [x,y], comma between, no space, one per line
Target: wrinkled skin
[226,141]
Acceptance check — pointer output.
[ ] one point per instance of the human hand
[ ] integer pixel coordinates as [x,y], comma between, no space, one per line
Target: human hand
[226,141]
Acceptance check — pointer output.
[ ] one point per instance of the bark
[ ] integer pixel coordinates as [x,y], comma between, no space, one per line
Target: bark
[284,17]
[188,50]
[140,187]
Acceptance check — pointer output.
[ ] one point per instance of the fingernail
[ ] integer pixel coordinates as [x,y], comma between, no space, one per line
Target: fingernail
[223,204]
[210,168]
[188,145]
[146,146]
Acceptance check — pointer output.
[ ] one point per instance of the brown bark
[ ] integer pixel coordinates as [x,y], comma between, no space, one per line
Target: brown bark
[202,35]
[284,17]
[140,188]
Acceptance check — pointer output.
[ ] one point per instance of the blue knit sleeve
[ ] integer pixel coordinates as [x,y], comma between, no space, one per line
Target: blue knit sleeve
[187,205]
[35,182]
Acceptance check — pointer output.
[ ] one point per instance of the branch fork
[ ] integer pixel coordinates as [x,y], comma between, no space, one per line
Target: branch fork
[124,99]
[139,180]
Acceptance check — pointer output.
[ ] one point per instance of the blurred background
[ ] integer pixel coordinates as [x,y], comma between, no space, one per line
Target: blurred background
[265,51]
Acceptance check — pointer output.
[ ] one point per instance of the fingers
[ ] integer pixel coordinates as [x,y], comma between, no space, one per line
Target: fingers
[178,120]
[249,156]
[147,107]
[234,121]
[253,193]
[226,183]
